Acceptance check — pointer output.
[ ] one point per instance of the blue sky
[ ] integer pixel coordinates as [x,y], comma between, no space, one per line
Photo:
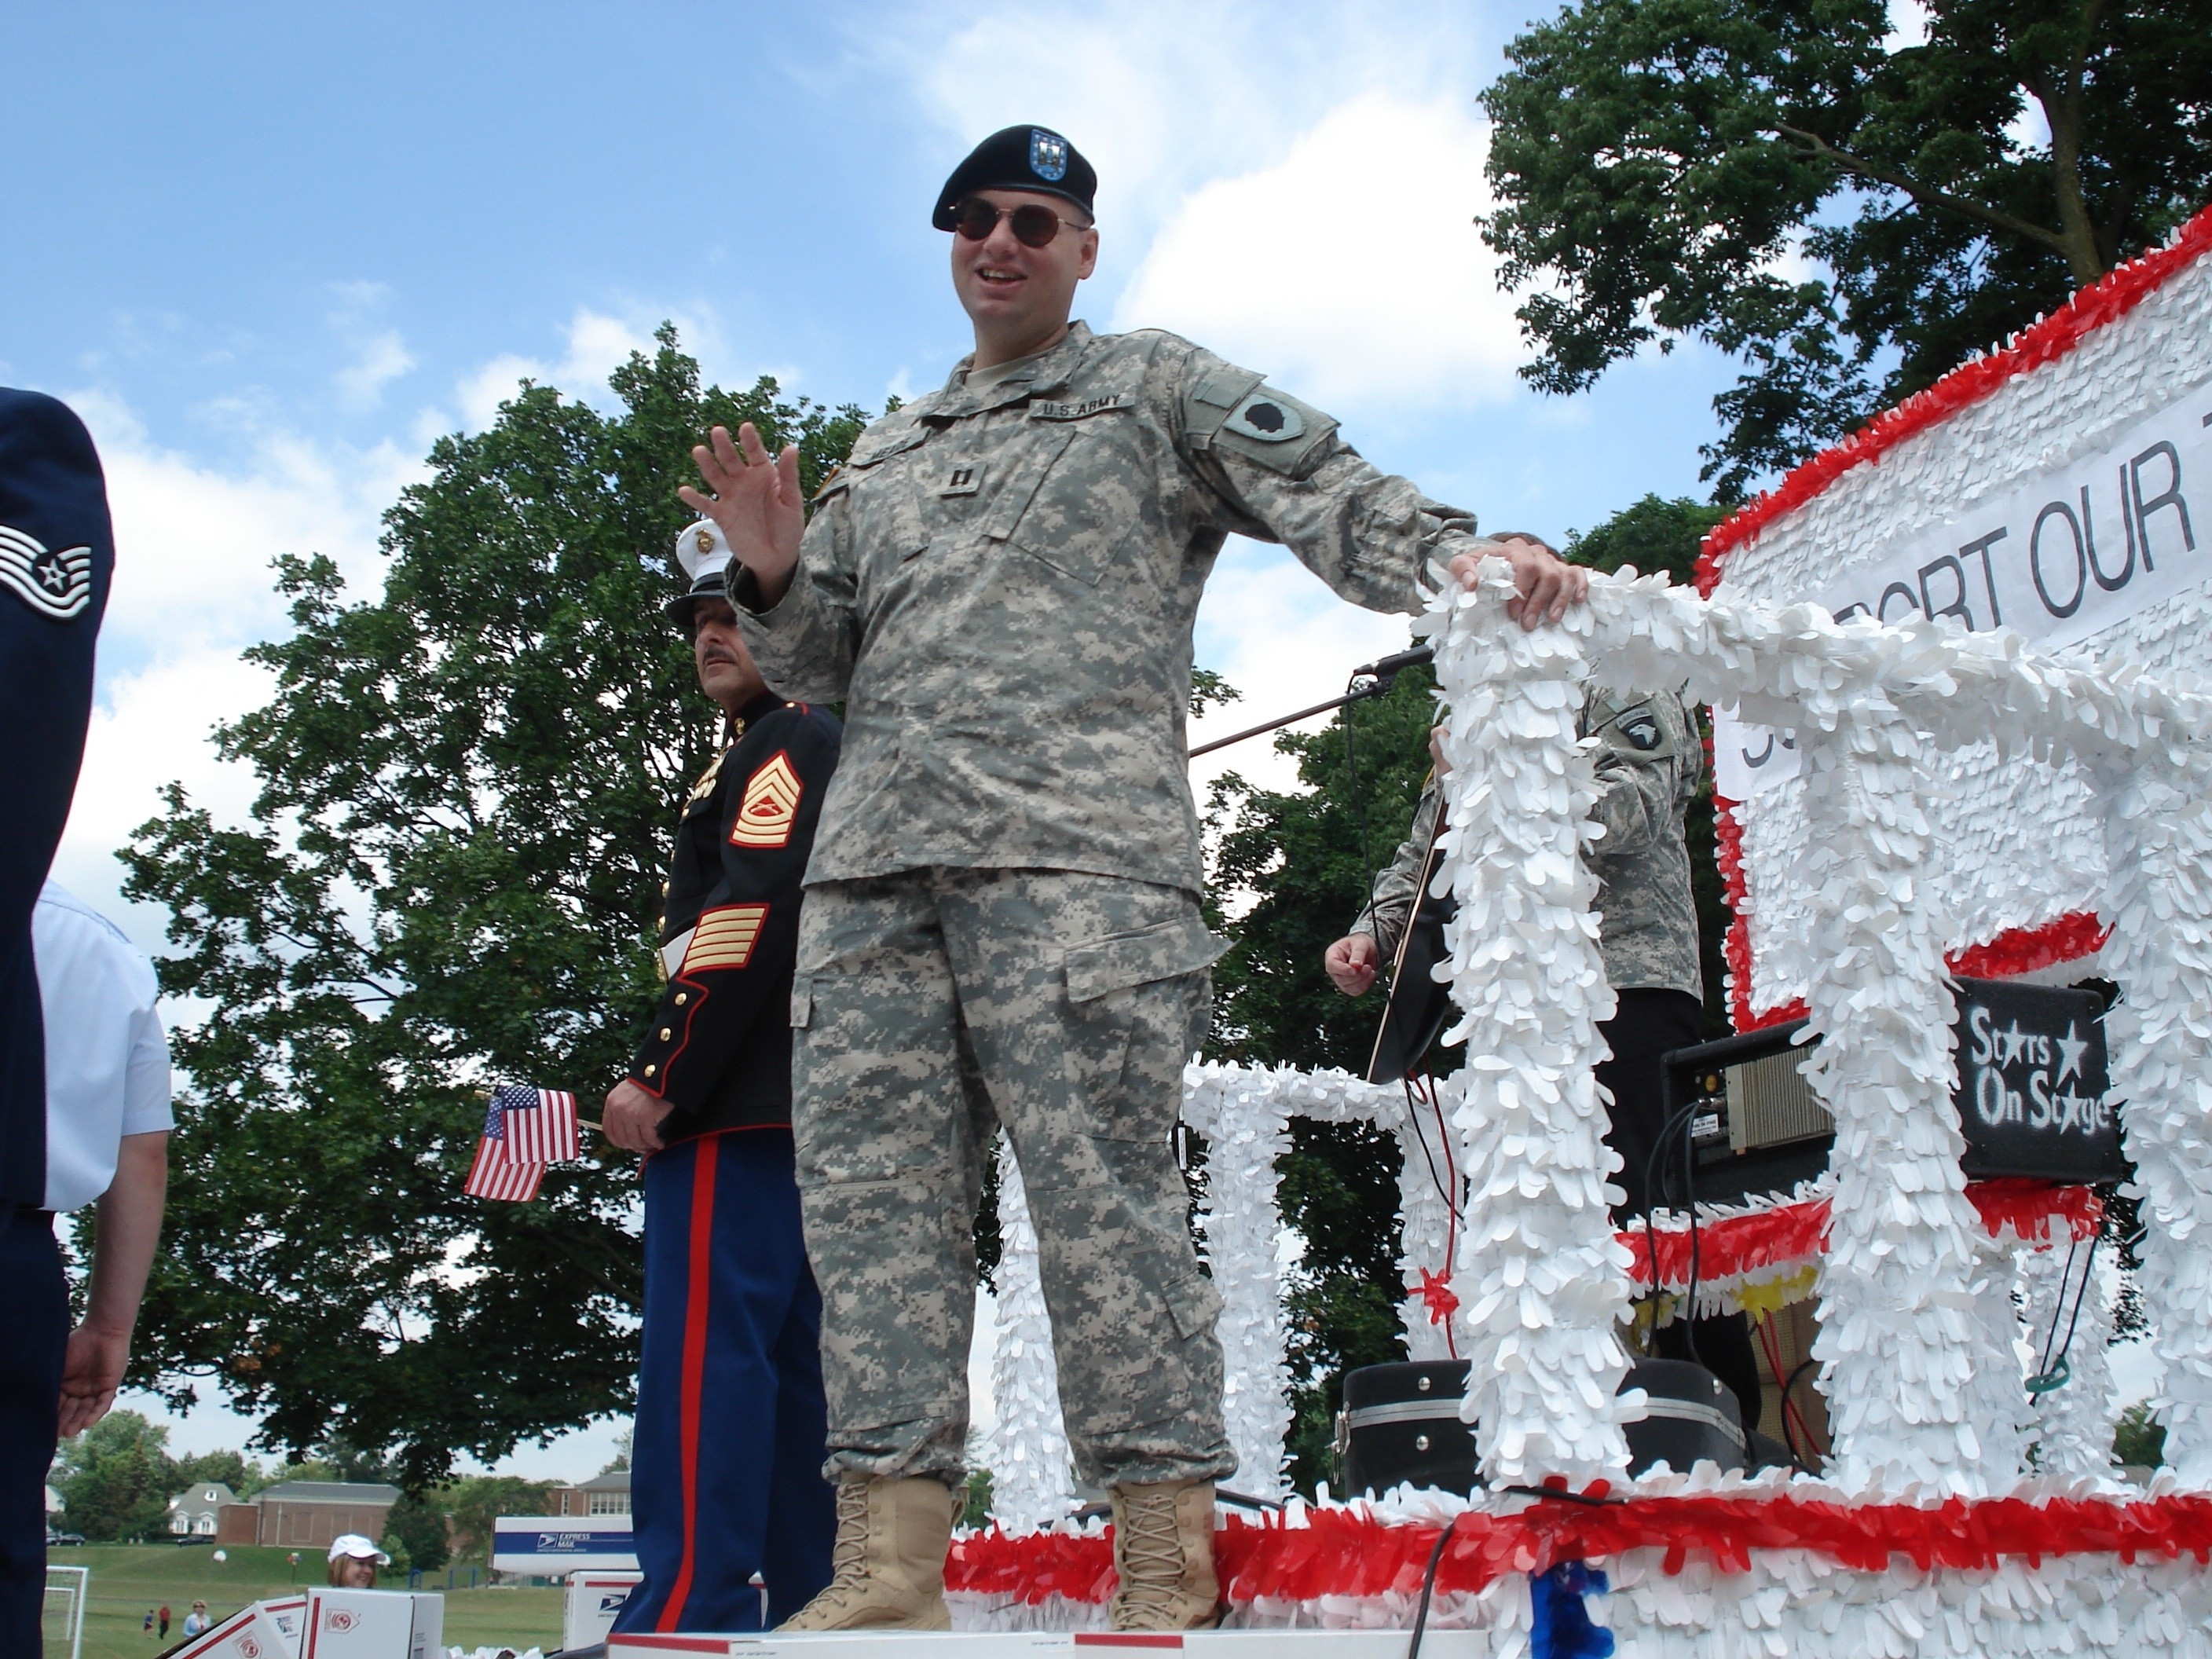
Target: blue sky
[271,252]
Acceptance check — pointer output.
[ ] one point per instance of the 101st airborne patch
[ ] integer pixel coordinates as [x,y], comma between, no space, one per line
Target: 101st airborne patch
[770,806]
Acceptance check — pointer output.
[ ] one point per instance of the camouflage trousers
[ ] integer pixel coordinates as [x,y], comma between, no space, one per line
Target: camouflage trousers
[931,1007]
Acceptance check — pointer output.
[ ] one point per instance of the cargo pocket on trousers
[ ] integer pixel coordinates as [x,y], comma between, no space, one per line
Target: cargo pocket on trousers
[1131,1002]
[1193,1305]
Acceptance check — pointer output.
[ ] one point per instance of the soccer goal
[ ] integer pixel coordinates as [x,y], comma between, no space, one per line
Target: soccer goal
[62,1619]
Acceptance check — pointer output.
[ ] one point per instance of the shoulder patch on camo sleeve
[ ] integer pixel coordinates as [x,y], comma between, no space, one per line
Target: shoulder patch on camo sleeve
[770,806]
[1273,428]
[724,938]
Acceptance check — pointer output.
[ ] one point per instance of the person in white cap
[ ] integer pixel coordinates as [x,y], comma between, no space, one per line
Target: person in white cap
[726,1476]
[354,1562]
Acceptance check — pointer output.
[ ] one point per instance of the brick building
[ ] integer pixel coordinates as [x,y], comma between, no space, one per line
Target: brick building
[307,1514]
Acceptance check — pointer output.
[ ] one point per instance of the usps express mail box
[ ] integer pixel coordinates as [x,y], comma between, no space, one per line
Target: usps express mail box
[251,1632]
[351,1623]
[593,1600]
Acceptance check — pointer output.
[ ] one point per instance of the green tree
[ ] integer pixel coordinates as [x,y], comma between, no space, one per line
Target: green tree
[1301,860]
[2139,1438]
[241,1473]
[472,1504]
[1849,216]
[467,786]
[117,1478]
[415,1532]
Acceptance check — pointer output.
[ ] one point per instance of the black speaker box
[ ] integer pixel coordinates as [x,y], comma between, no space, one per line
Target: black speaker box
[1401,1424]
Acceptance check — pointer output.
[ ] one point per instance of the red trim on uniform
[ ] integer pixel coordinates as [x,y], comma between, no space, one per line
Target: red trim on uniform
[2106,300]
[695,1369]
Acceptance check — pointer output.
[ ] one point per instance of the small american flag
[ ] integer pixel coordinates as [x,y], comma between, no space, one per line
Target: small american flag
[525,1130]
[532,1126]
[492,1176]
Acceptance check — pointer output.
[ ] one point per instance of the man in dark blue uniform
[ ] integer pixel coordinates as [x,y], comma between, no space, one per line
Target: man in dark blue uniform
[57,553]
[729,1447]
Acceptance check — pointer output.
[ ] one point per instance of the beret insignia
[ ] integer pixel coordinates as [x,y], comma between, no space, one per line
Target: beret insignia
[1047,155]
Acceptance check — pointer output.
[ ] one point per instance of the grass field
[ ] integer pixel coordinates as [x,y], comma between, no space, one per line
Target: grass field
[127,1579]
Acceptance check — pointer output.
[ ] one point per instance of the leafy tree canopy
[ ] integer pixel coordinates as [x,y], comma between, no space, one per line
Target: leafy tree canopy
[117,1478]
[1849,216]
[467,788]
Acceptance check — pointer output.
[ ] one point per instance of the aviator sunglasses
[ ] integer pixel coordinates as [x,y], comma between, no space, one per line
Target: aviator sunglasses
[1033,226]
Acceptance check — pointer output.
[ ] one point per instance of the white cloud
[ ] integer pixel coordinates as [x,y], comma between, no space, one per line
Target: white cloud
[149,728]
[193,587]
[383,357]
[1351,271]
[193,544]
[1162,97]
[597,345]
[1268,626]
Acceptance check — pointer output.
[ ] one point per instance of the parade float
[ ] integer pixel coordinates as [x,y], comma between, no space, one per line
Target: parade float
[1959,734]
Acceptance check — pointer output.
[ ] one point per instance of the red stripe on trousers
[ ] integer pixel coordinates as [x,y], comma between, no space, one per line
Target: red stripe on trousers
[695,1366]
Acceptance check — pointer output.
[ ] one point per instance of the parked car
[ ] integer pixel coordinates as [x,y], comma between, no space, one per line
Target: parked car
[195,1538]
[55,1540]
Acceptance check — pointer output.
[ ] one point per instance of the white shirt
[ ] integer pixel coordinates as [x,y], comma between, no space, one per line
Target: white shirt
[108,1057]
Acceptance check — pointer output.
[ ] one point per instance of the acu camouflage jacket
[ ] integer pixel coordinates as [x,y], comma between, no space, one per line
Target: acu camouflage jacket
[1650,763]
[1000,585]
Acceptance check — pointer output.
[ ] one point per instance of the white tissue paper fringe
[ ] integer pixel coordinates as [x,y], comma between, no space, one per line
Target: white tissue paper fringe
[2074,1422]
[1543,1282]
[1032,1482]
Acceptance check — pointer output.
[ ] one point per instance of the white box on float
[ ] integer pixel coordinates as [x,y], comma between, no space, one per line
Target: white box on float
[595,1598]
[251,1632]
[352,1624]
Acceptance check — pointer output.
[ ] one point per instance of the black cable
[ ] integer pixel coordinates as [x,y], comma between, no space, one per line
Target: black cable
[1690,1201]
[1428,1587]
[2065,1274]
[1413,1116]
[1800,1459]
[1360,817]
[2081,1294]
[1650,1230]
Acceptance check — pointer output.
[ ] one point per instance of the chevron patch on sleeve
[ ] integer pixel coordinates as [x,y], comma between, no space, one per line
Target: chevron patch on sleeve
[770,806]
[724,938]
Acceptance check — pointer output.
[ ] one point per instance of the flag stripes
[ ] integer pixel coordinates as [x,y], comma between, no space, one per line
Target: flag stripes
[492,1176]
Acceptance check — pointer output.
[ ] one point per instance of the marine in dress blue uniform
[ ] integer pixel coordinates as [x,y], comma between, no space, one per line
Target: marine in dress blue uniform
[57,554]
[731,1429]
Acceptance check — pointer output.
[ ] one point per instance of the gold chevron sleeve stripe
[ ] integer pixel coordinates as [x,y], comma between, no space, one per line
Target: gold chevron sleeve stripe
[770,806]
[724,938]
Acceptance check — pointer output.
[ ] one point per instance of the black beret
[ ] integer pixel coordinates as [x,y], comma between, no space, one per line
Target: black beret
[1018,158]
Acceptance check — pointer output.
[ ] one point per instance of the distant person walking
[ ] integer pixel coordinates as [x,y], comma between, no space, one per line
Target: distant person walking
[164,1616]
[56,552]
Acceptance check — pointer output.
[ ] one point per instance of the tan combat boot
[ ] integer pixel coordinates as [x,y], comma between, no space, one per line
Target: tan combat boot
[889,1562]
[1164,1556]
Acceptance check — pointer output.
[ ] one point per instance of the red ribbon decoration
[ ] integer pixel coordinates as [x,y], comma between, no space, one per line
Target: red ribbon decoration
[1436,1292]
[1346,1553]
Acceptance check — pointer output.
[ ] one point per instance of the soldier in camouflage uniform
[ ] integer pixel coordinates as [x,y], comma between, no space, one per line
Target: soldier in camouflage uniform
[1002,922]
[1650,763]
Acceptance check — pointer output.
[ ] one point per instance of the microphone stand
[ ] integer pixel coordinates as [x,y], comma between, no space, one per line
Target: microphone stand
[1372,679]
